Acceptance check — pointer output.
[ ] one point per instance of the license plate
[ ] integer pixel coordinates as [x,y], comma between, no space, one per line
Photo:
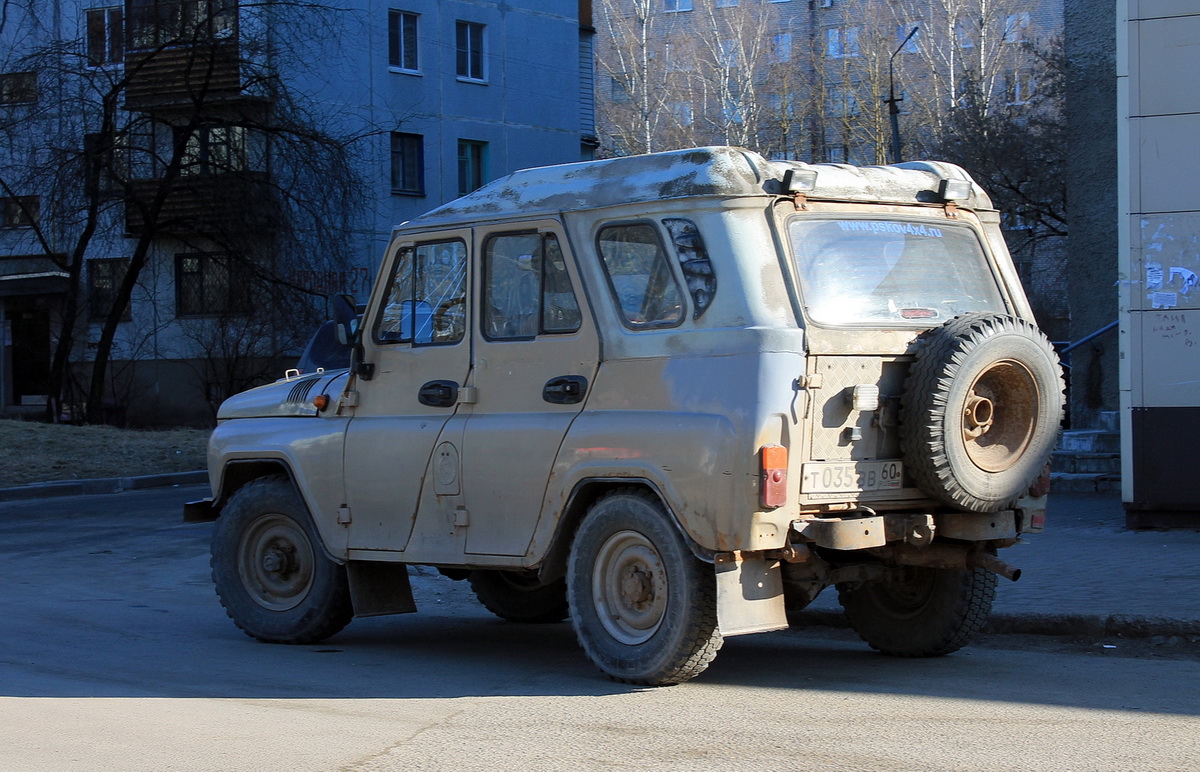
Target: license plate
[850,477]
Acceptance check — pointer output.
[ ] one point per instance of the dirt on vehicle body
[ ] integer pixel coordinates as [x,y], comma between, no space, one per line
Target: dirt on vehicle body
[673,397]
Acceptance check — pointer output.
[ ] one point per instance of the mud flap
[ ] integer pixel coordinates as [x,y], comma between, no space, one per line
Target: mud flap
[377,589]
[749,595]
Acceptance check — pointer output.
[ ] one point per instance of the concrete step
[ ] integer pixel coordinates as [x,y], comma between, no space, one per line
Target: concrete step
[1072,462]
[1062,482]
[1090,441]
[1110,421]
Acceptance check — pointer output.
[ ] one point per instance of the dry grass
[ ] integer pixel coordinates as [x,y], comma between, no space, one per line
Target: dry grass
[38,452]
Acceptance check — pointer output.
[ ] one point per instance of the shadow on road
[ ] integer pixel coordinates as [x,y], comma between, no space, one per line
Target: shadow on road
[123,607]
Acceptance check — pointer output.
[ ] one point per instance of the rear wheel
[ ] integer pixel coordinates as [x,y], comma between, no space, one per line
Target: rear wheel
[519,597]
[918,611]
[269,570]
[644,608]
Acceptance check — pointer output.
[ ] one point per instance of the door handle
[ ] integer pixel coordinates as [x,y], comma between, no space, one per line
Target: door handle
[438,394]
[565,390]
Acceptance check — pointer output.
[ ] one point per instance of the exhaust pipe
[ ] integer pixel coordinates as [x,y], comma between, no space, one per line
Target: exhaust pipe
[990,562]
[953,556]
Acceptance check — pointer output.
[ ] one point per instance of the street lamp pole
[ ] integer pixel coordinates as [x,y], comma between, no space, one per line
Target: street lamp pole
[894,101]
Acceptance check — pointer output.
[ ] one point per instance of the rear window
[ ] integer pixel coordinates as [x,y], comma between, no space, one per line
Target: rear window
[890,272]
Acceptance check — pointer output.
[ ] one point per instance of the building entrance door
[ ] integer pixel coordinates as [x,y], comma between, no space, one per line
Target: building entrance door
[28,349]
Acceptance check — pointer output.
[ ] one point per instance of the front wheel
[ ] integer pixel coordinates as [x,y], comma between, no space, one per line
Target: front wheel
[643,607]
[919,611]
[270,573]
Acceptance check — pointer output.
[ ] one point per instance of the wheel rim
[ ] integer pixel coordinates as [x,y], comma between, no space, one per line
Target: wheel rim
[905,594]
[630,587]
[1000,415]
[276,562]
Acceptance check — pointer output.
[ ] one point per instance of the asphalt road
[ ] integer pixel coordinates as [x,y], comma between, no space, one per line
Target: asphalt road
[114,654]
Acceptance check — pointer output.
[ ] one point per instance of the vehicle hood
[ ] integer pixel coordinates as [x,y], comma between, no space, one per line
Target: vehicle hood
[286,397]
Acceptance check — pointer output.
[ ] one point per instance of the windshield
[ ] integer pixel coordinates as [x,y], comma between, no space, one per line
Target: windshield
[889,272]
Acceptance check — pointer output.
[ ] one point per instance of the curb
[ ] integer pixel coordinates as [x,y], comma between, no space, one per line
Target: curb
[1084,625]
[49,490]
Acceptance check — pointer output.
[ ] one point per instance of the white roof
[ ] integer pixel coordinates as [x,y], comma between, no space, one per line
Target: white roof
[705,171]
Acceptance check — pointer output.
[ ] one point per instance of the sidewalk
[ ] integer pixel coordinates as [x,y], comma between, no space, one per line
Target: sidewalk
[1086,575]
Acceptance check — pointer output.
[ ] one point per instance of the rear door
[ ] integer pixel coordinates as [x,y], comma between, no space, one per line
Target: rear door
[536,354]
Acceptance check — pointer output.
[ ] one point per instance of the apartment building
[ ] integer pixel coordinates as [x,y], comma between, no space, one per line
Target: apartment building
[184,181]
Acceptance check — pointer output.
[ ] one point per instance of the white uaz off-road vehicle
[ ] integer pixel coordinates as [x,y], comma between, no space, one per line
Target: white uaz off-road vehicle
[672,397]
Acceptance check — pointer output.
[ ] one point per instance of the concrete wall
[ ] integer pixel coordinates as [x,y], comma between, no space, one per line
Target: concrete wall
[1160,258]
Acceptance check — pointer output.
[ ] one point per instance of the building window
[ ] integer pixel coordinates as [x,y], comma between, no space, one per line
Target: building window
[20,211]
[677,5]
[841,43]
[469,47]
[681,112]
[620,92]
[18,88]
[209,285]
[104,279]
[472,165]
[1018,86]
[840,102]
[913,44]
[105,36]
[215,150]
[402,40]
[962,31]
[104,166]
[725,3]
[154,23]
[408,164]
[1014,27]
[781,48]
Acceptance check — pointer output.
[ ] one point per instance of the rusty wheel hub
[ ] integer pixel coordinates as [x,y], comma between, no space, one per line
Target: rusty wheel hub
[1000,415]
[629,587]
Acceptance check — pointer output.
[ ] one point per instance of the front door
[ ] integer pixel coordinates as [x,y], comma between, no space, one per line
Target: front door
[536,353]
[416,339]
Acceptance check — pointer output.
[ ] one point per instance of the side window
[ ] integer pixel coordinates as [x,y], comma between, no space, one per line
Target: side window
[526,290]
[640,276]
[693,259]
[427,302]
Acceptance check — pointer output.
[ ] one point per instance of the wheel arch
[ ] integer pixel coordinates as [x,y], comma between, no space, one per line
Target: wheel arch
[238,473]
[585,493]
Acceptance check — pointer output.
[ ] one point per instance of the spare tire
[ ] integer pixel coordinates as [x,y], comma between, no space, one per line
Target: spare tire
[981,410]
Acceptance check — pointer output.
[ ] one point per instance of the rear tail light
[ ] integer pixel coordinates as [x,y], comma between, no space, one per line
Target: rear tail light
[774,475]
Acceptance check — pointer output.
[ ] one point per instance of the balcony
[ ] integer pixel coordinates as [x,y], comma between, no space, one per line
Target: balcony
[182,52]
[183,75]
[214,206]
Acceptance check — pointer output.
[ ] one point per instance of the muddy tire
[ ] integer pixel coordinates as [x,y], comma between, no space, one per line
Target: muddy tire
[272,577]
[981,411]
[643,607]
[920,612]
[517,597]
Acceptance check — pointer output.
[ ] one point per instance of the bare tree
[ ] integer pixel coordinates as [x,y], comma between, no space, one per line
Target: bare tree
[195,145]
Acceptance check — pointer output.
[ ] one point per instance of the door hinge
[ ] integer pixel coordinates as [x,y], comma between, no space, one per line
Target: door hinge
[468,395]
[348,399]
[809,381]
[343,515]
